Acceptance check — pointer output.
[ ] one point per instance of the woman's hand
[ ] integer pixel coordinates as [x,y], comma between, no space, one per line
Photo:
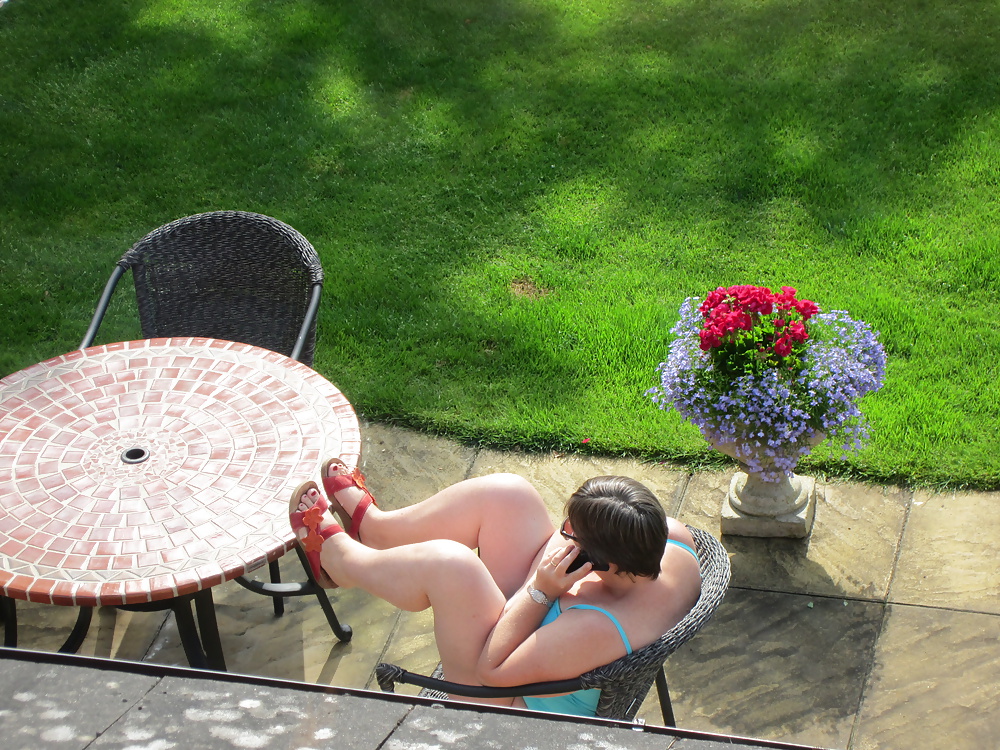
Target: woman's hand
[518,628]
[551,577]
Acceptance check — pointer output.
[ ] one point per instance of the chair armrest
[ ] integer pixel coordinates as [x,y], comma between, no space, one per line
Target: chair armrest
[310,317]
[102,307]
[388,675]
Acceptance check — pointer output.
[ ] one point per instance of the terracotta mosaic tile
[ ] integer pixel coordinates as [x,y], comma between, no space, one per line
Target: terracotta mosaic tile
[149,469]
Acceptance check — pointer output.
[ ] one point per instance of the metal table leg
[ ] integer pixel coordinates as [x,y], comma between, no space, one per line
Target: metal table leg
[79,632]
[279,601]
[181,607]
[204,650]
[209,627]
[8,613]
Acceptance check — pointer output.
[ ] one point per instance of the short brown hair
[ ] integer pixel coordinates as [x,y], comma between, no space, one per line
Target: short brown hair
[619,520]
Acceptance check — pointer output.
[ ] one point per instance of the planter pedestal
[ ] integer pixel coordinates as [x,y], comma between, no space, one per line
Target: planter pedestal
[769,509]
[753,507]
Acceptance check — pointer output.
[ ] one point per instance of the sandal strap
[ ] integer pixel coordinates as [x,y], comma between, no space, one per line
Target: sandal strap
[359,513]
[342,481]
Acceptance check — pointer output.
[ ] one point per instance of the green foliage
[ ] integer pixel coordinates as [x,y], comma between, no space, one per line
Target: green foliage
[512,199]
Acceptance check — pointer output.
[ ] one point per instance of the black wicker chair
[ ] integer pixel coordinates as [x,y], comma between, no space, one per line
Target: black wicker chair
[625,681]
[228,275]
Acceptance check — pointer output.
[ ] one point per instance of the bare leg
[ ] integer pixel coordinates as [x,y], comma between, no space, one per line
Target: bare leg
[501,515]
[441,574]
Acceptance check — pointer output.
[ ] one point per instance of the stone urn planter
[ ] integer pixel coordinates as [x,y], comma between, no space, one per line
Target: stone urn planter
[765,376]
[767,502]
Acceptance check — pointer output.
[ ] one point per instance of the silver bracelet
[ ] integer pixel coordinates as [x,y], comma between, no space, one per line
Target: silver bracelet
[539,597]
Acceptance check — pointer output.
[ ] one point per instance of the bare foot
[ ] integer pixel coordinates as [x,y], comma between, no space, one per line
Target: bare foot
[349,498]
[313,527]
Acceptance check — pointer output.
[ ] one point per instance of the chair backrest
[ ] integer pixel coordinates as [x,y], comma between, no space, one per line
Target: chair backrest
[229,275]
[625,682]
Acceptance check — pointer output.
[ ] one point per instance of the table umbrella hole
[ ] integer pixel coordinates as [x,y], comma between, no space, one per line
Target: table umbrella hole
[135,455]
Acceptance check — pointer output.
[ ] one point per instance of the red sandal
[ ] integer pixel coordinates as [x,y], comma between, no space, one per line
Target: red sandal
[310,520]
[336,483]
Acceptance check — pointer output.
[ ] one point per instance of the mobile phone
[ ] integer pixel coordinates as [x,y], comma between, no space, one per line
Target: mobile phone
[581,558]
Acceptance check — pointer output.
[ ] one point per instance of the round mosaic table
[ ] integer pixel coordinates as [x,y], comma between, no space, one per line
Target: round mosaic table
[146,470]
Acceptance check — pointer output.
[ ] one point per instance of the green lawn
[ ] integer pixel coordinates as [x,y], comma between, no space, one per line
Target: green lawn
[511,199]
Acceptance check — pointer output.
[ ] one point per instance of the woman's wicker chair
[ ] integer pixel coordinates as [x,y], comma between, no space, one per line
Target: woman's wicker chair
[625,681]
[229,275]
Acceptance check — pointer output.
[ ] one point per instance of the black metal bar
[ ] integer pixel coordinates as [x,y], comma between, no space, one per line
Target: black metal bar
[79,632]
[666,709]
[181,607]
[209,627]
[8,613]
[102,307]
[279,602]
[311,311]
[343,632]
[480,691]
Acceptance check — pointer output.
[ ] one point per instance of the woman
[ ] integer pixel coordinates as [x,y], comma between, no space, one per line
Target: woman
[516,612]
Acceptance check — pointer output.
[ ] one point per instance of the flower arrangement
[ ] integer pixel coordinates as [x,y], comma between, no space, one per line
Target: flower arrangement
[770,373]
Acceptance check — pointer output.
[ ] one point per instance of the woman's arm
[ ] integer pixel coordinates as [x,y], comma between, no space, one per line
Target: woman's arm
[517,652]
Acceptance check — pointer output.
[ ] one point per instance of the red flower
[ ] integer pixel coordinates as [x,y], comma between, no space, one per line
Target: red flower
[797,331]
[731,311]
[783,346]
[710,338]
[806,308]
[713,299]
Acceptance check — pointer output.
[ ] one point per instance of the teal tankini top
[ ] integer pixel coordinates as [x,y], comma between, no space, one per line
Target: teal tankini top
[582,702]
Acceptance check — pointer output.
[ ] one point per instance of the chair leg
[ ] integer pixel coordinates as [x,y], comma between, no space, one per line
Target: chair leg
[8,613]
[666,709]
[279,602]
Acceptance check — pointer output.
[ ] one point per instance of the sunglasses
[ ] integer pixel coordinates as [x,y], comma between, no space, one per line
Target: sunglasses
[581,556]
[566,535]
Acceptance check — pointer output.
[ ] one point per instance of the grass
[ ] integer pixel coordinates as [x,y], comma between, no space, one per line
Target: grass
[512,199]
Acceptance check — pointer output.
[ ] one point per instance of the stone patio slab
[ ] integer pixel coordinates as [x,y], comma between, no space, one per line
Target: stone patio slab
[851,552]
[412,647]
[950,551]
[403,467]
[198,713]
[935,683]
[783,666]
[50,706]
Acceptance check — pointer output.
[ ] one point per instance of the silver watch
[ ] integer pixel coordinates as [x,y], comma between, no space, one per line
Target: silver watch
[539,597]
